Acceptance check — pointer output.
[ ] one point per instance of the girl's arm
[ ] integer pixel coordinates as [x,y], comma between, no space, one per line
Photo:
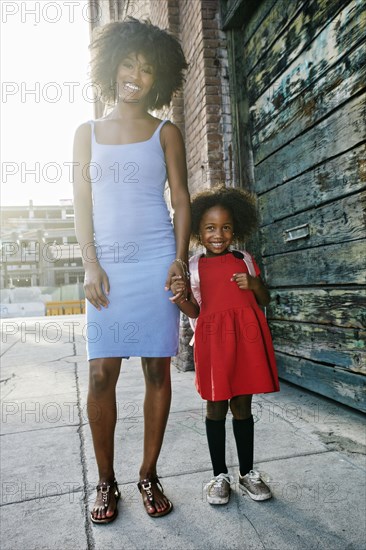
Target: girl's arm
[96,283]
[189,305]
[247,282]
[175,159]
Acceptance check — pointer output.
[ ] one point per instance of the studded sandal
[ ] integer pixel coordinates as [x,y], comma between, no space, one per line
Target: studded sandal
[105,489]
[145,485]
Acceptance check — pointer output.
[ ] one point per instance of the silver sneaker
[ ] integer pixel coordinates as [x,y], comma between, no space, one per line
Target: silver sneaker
[218,489]
[253,484]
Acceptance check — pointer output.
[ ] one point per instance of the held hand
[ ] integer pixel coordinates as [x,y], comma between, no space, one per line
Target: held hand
[244,281]
[96,286]
[175,270]
[178,288]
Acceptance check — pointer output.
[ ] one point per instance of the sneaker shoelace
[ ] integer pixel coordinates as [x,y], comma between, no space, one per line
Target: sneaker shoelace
[257,477]
[217,481]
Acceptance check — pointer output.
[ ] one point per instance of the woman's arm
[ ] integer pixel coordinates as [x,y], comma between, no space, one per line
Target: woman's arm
[96,284]
[247,282]
[175,159]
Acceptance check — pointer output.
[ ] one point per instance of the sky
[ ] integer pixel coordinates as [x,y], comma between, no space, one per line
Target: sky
[45,96]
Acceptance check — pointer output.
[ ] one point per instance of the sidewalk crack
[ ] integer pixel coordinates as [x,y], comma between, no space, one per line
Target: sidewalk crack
[88,530]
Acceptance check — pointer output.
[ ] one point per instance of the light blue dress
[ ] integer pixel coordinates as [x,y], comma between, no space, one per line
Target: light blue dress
[135,243]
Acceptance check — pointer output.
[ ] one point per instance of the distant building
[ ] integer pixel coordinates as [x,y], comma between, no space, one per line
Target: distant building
[39,247]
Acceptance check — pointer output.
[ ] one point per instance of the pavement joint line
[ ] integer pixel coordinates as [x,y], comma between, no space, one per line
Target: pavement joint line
[60,358]
[7,349]
[40,429]
[258,535]
[41,497]
[289,457]
[233,466]
[344,456]
[87,525]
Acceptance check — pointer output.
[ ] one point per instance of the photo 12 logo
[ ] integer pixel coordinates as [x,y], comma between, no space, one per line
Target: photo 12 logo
[93,12]
[51,12]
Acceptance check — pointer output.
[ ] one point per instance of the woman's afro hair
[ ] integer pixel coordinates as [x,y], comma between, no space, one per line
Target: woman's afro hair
[240,203]
[115,41]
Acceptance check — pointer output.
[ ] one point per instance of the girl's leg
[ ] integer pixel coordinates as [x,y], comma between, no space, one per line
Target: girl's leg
[215,430]
[156,411]
[243,427]
[101,406]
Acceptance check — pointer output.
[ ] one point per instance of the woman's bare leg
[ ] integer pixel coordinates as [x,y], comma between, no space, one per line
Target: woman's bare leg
[156,411]
[102,413]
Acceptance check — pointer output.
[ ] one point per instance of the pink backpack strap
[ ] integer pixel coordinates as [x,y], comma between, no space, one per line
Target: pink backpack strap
[195,288]
[194,277]
[248,260]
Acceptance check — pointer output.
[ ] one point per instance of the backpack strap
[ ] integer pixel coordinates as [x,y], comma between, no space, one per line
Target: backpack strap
[248,260]
[195,277]
[195,288]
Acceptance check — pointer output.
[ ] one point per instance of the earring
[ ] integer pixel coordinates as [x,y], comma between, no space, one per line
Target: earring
[114,90]
[156,98]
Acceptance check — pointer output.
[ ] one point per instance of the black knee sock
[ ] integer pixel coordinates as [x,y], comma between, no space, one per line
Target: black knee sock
[215,430]
[244,437]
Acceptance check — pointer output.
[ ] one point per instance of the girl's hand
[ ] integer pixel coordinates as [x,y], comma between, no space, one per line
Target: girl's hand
[96,285]
[178,288]
[245,281]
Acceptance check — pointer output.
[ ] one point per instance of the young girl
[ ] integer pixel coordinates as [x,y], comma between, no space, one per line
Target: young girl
[233,350]
[131,250]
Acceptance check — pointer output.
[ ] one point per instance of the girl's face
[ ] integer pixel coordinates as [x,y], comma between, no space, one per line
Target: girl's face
[216,230]
[134,78]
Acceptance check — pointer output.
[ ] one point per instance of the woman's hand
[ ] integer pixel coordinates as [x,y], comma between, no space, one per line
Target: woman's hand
[179,289]
[96,285]
[176,273]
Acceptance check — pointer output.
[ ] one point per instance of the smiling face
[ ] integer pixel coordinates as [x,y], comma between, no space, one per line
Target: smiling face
[134,78]
[216,230]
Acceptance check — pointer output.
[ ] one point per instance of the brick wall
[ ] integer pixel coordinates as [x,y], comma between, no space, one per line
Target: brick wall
[202,111]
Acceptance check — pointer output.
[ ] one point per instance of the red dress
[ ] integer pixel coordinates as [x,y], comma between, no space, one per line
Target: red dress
[233,349]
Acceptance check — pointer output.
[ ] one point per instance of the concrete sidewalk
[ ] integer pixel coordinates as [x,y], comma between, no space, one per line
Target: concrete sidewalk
[310,448]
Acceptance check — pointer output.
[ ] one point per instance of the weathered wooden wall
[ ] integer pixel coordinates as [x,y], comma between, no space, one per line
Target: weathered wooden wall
[298,71]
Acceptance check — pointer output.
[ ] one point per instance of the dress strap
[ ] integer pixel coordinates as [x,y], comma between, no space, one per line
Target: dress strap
[92,124]
[157,131]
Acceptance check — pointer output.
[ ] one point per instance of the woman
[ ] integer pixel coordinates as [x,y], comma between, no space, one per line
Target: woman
[131,250]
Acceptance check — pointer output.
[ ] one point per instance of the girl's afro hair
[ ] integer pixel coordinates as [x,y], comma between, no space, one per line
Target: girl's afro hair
[115,41]
[240,203]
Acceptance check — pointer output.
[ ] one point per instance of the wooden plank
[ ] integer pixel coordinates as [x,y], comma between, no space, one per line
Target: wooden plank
[275,123]
[307,45]
[338,307]
[339,221]
[339,347]
[339,132]
[335,178]
[269,37]
[337,264]
[338,384]
[254,24]
[275,25]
